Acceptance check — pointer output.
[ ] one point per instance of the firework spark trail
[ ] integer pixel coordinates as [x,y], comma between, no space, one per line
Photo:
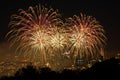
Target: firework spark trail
[86,36]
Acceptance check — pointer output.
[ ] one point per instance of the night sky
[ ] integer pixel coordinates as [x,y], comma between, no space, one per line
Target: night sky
[107,13]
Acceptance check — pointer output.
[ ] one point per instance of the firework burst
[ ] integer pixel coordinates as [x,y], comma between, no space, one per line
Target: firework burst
[30,30]
[58,39]
[86,36]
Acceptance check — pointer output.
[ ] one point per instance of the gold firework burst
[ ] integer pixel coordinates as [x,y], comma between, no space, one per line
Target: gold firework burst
[86,36]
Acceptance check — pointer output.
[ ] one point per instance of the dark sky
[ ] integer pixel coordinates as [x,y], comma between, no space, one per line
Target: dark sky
[107,13]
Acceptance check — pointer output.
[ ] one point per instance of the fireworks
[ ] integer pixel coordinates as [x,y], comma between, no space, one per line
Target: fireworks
[38,33]
[58,40]
[30,30]
[86,36]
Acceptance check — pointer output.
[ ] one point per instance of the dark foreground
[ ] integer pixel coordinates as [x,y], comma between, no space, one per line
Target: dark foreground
[106,70]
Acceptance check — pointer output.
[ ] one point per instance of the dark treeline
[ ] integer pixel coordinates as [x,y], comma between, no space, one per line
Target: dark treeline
[106,70]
